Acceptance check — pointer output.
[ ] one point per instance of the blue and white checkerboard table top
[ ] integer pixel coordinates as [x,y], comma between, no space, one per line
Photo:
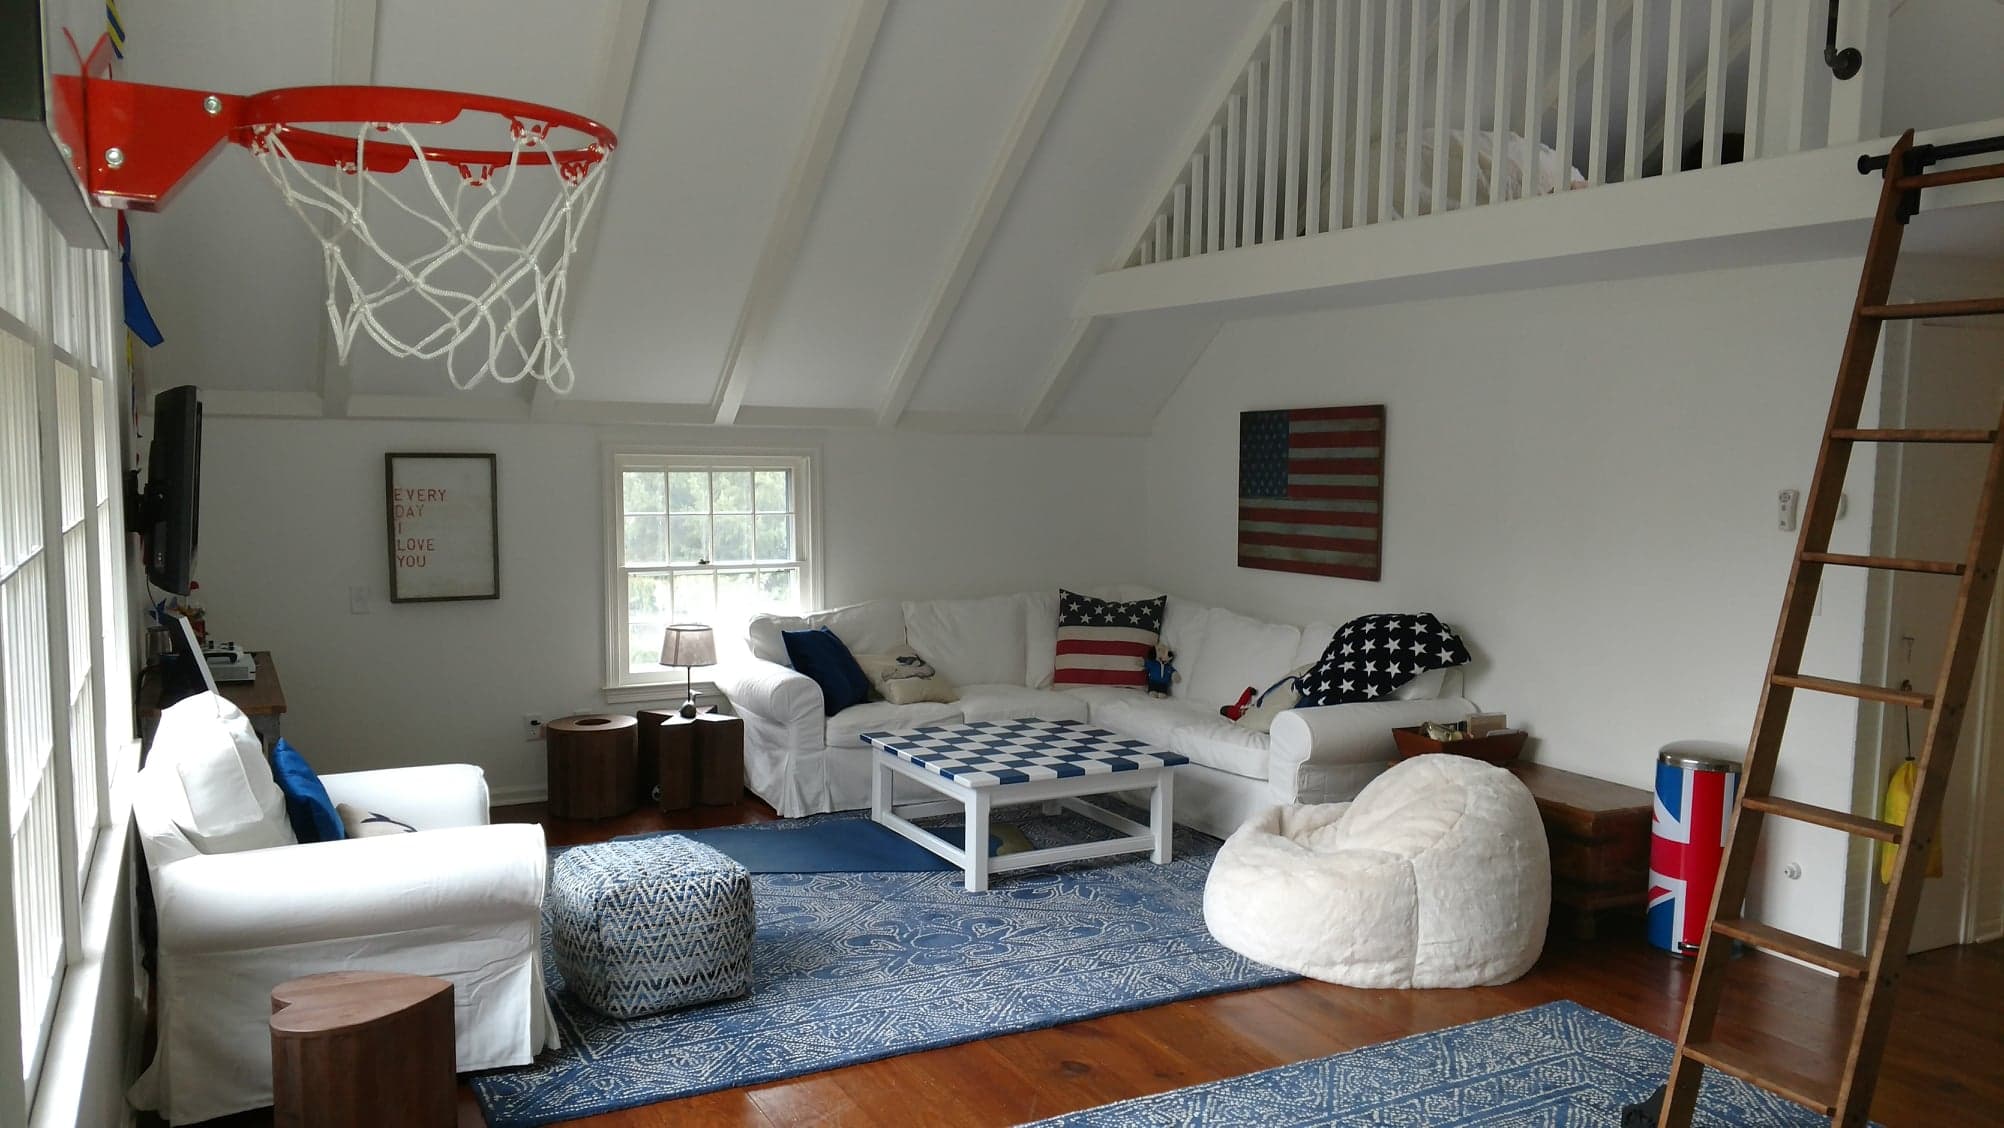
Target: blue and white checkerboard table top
[992,753]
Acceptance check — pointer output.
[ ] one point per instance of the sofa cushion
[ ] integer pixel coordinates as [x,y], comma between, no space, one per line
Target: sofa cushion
[972,641]
[1153,719]
[1102,642]
[1239,653]
[1183,633]
[231,801]
[874,627]
[307,806]
[1040,626]
[1218,743]
[1314,640]
[846,728]
[820,655]
[1013,702]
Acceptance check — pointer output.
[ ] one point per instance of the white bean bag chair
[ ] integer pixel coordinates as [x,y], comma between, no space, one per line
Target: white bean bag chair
[1436,875]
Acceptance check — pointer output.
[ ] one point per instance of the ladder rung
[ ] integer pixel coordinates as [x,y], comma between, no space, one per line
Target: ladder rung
[1856,689]
[1908,311]
[1771,939]
[1893,435]
[1889,563]
[1950,176]
[1770,1073]
[1823,816]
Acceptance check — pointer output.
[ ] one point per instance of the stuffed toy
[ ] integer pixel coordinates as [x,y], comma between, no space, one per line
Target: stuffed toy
[1238,708]
[1160,670]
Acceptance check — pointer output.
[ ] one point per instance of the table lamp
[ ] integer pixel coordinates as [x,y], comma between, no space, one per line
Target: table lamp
[689,645]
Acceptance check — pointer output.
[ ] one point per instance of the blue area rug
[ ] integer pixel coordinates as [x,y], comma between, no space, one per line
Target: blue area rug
[824,845]
[1560,1065]
[852,967]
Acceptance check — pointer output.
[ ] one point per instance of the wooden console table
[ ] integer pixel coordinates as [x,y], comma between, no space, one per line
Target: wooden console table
[1599,836]
[262,700]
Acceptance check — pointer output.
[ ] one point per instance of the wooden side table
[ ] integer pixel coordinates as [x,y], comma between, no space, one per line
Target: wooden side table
[363,1049]
[668,758]
[593,765]
[698,759]
[1599,836]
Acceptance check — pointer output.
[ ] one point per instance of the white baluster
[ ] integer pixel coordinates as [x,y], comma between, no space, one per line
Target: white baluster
[1388,108]
[1179,222]
[1360,140]
[1568,31]
[1673,93]
[1499,125]
[1270,163]
[1415,95]
[1234,124]
[1214,196]
[1756,79]
[1716,64]
[1638,36]
[1297,41]
[1313,213]
[1603,46]
[1534,114]
[1471,125]
[1249,206]
[1197,206]
[1443,67]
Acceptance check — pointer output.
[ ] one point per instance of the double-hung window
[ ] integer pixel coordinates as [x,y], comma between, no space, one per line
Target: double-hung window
[65,709]
[703,538]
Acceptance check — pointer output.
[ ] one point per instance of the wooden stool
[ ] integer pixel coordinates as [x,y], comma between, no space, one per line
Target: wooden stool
[698,759]
[668,758]
[593,765]
[363,1049]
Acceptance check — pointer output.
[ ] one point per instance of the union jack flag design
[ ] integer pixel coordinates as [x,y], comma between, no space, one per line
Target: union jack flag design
[1687,848]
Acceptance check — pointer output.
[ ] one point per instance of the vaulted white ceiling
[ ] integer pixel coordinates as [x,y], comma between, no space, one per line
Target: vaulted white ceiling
[877,212]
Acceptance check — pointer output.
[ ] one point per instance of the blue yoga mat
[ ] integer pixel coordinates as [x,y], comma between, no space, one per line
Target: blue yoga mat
[835,846]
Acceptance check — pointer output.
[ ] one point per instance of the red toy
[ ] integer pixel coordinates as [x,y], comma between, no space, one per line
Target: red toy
[1238,709]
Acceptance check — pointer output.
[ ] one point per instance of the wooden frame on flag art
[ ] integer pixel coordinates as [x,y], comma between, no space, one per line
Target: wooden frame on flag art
[1312,490]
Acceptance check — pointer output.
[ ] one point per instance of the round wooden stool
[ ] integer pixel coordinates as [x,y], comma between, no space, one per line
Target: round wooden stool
[363,1049]
[594,765]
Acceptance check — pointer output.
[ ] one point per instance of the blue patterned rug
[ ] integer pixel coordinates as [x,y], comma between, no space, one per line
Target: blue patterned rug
[852,967]
[1555,1066]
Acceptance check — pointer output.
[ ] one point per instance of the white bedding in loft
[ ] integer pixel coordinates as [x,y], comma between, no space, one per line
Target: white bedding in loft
[1522,163]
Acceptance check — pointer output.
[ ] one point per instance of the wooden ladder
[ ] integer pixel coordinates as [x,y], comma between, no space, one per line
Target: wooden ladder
[1846,1096]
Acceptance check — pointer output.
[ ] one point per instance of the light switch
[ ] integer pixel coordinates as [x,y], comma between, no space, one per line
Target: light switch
[1789,501]
[358,601]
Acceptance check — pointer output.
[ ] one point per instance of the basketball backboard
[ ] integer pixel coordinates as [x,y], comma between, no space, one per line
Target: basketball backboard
[46,48]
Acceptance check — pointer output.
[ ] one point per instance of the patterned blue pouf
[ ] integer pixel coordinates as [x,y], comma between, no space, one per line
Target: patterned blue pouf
[647,926]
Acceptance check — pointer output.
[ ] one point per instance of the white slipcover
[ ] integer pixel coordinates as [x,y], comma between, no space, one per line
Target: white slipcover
[1436,875]
[460,900]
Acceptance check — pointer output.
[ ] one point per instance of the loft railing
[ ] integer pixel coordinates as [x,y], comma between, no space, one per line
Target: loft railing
[1358,112]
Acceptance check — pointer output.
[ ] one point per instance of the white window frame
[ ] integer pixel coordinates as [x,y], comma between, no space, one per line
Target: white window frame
[624,685]
[62,302]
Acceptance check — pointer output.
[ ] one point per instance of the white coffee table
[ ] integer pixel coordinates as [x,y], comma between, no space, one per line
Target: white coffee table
[982,765]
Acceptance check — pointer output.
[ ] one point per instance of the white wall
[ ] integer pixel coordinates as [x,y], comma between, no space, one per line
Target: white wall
[292,517]
[1941,60]
[1582,480]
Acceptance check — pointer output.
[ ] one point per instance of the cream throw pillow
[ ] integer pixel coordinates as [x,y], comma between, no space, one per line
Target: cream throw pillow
[906,679]
[1278,699]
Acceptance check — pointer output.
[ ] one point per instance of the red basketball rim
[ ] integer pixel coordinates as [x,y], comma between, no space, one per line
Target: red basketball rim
[279,110]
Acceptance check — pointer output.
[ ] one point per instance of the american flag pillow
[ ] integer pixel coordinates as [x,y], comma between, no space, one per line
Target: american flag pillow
[1372,656]
[1101,642]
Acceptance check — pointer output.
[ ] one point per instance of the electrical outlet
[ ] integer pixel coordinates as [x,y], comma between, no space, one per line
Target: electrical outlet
[532,726]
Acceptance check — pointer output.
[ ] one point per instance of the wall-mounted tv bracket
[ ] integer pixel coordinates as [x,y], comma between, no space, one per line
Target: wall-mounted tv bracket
[1919,157]
[1846,63]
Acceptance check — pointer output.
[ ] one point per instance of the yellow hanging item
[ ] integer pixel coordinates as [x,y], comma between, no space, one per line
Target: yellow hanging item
[1900,796]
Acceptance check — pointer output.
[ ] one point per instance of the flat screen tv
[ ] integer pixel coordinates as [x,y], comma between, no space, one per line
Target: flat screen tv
[171,506]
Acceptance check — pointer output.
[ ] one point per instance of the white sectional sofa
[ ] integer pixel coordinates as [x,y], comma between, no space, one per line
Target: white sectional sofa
[999,651]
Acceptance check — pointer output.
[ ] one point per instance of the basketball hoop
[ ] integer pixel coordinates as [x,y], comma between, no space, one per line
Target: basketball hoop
[467,254]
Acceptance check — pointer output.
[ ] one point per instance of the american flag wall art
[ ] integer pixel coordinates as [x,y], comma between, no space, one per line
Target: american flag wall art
[1312,490]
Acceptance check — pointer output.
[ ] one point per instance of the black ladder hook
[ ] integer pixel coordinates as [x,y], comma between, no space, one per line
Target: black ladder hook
[1846,63]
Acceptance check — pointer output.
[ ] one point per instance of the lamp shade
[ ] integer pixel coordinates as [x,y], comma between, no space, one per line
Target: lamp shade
[689,644]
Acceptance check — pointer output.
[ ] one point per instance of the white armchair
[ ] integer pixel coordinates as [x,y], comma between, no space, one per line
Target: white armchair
[461,900]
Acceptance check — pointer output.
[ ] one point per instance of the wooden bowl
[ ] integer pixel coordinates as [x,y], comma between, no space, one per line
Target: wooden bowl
[1496,748]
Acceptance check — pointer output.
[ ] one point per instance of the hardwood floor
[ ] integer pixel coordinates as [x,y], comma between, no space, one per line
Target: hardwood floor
[1942,1066]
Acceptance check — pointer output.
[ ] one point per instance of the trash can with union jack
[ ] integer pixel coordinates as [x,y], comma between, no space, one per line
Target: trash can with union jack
[1695,784]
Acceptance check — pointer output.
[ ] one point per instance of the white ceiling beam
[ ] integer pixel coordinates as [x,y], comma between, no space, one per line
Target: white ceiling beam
[837,93]
[1084,333]
[1071,357]
[619,55]
[1025,133]
[354,64]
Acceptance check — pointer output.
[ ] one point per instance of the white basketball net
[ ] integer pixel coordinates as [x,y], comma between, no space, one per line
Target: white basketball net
[477,291]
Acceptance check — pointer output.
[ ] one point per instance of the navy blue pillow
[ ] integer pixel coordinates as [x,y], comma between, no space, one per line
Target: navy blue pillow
[821,656]
[307,805]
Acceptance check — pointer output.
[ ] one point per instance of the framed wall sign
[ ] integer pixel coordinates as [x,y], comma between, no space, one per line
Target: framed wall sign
[444,537]
[1312,490]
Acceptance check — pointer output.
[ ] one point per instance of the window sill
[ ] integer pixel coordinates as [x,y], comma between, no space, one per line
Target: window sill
[670,693]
